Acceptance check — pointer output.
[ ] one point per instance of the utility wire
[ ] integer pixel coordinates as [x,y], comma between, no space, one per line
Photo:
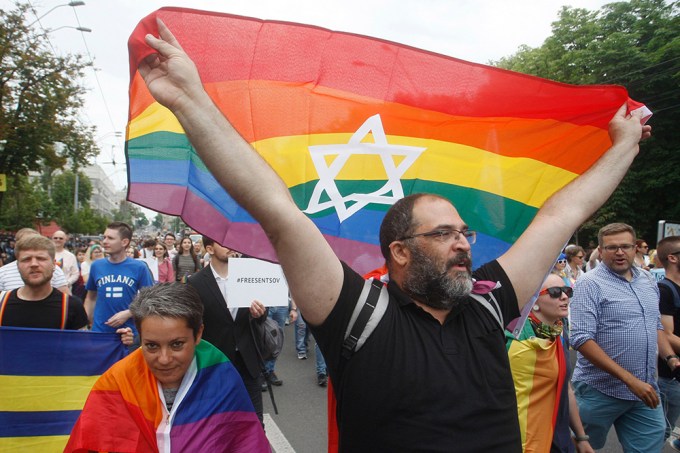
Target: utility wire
[94,71]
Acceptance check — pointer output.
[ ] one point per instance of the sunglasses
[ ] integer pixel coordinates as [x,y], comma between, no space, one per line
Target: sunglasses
[556,291]
[561,261]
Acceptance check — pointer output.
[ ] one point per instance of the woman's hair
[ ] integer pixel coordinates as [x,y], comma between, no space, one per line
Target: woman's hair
[175,260]
[169,300]
[165,247]
[93,247]
[572,250]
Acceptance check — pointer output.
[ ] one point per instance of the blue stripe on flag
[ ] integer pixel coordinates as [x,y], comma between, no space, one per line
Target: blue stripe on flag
[48,352]
[26,424]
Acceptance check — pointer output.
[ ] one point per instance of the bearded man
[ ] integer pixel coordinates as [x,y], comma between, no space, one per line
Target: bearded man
[37,304]
[434,374]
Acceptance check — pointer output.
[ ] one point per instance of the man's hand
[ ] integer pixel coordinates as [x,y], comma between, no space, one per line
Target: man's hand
[294,315]
[584,447]
[119,318]
[169,74]
[644,391]
[126,336]
[257,309]
[626,130]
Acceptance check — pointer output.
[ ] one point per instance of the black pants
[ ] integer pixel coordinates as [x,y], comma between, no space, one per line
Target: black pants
[253,385]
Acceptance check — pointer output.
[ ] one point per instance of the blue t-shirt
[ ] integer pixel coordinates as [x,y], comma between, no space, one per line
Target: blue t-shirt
[116,284]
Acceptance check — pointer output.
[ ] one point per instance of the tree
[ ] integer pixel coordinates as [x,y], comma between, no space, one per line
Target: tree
[63,192]
[23,204]
[39,100]
[635,44]
[158,221]
[131,214]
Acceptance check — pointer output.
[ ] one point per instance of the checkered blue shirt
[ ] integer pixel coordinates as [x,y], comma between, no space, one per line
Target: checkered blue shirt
[623,318]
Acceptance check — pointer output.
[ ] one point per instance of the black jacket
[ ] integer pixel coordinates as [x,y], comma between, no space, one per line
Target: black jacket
[224,332]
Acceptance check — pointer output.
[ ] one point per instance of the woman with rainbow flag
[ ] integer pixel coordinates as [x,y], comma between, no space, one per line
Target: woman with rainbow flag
[539,363]
[175,393]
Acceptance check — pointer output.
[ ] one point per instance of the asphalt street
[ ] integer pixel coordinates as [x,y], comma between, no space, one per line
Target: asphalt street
[301,425]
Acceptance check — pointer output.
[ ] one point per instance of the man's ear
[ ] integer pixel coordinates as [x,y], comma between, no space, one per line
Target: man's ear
[399,253]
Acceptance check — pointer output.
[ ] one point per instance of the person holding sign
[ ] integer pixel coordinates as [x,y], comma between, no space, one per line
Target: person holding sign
[228,327]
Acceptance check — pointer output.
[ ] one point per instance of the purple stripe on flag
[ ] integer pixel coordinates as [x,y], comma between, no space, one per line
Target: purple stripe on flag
[247,238]
[229,431]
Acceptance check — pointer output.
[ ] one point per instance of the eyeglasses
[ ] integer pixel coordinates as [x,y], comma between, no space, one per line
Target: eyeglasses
[561,261]
[444,235]
[579,257]
[556,291]
[615,248]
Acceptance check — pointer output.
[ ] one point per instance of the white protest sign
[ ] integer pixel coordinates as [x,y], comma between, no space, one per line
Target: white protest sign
[252,279]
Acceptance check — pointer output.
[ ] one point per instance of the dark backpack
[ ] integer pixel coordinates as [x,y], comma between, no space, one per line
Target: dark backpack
[268,337]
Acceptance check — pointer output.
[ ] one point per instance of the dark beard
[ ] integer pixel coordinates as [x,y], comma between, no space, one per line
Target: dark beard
[426,283]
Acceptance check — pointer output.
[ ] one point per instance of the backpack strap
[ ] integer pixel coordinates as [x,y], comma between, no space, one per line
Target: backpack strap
[491,306]
[4,295]
[368,312]
[64,310]
[671,286]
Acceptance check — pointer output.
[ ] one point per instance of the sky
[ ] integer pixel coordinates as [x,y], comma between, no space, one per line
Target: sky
[473,30]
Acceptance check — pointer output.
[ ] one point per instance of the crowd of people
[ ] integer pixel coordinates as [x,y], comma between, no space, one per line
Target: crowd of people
[441,363]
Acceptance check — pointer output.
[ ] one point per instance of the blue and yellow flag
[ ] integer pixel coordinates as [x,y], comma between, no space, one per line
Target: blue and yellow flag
[45,377]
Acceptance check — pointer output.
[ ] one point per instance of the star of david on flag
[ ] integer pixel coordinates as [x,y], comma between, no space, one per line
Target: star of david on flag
[388,194]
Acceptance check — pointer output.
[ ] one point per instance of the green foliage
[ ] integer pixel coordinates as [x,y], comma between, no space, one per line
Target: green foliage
[39,99]
[131,214]
[158,221]
[22,202]
[635,44]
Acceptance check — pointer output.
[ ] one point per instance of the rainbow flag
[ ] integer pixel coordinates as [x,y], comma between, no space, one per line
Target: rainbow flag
[352,123]
[212,410]
[45,377]
[539,372]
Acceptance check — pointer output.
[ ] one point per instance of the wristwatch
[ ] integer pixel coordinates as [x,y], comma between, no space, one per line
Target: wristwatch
[672,356]
[582,438]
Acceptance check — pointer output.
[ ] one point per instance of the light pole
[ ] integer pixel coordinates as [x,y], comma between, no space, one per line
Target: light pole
[72,4]
[82,29]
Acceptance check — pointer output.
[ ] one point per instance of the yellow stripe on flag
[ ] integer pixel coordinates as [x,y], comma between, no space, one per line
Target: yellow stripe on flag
[42,444]
[44,393]
[521,179]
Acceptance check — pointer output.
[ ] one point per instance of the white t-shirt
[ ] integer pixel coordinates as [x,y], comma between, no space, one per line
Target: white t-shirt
[69,264]
[10,278]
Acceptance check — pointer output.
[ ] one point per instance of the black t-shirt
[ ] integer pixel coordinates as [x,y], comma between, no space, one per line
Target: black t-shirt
[667,307]
[44,314]
[417,385]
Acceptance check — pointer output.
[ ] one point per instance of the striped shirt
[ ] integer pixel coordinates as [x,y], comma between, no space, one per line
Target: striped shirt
[623,318]
[10,278]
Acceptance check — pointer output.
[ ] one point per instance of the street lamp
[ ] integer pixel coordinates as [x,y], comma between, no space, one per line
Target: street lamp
[83,29]
[72,4]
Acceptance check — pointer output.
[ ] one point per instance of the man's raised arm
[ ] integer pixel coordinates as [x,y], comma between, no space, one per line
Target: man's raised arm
[530,258]
[313,271]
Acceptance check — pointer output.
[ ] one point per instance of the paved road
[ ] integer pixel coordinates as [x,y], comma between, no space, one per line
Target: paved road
[301,425]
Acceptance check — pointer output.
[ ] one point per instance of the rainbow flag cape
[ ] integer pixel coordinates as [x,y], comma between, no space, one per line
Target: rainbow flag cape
[45,377]
[212,411]
[352,124]
[539,372]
